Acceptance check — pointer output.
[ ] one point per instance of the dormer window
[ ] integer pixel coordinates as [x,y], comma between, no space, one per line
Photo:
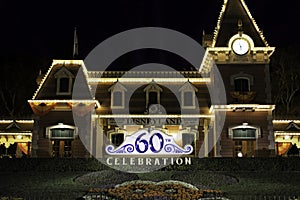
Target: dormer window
[117,99]
[188,96]
[152,94]
[64,82]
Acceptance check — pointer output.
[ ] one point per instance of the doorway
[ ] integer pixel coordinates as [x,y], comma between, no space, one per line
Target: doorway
[61,148]
[244,148]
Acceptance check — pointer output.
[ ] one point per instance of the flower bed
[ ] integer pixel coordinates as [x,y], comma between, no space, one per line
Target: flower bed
[152,190]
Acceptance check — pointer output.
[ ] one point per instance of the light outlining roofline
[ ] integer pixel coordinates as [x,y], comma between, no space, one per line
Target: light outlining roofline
[61,62]
[231,107]
[284,133]
[285,121]
[26,133]
[152,116]
[66,101]
[143,80]
[221,15]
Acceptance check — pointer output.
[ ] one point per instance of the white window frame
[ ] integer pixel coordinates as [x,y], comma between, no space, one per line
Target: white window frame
[188,87]
[152,87]
[188,130]
[117,87]
[63,73]
[61,126]
[244,125]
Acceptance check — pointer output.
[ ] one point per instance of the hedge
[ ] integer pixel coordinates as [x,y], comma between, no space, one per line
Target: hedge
[207,164]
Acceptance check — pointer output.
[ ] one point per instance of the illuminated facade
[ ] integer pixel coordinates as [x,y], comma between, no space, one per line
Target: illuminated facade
[242,55]
[15,137]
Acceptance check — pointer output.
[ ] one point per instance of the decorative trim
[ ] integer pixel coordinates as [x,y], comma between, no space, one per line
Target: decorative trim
[221,15]
[244,126]
[61,126]
[117,87]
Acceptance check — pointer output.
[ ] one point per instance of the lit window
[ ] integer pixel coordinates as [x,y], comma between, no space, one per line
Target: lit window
[244,131]
[61,131]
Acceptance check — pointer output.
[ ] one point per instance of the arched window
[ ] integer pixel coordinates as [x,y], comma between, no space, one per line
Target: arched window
[241,84]
[116,136]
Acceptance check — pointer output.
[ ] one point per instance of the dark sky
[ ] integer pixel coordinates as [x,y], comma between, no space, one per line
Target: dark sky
[35,32]
[44,29]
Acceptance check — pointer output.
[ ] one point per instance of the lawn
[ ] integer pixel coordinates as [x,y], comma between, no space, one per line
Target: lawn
[233,184]
[72,178]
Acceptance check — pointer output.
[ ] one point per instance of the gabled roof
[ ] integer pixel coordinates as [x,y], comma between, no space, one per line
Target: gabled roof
[117,86]
[187,86]
[47,88]
[153,86]
[227,25]
[292,127]
[15,126]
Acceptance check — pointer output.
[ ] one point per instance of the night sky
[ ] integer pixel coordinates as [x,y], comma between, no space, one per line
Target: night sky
[35,32]
[45,28]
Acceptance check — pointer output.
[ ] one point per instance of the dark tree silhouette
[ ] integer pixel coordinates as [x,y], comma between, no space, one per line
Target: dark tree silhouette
[293,151]
[285,75]
[17,84]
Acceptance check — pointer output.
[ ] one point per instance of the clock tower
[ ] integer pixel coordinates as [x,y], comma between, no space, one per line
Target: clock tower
[242,54]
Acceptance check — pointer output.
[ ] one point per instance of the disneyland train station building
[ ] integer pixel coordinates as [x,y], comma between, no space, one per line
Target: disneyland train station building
[175,103]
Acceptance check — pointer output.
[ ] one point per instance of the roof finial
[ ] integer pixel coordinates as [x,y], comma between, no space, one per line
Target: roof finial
[75,45]
[240,27]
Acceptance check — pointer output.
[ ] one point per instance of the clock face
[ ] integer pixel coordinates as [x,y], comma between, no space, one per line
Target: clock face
[240,46]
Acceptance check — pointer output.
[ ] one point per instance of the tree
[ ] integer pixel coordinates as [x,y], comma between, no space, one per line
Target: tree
[17,85]
[285,80]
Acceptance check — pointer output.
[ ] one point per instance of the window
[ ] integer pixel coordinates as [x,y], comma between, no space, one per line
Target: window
[64,85]
[242,82]
[188,99]
[152,98]
[64,81]
[117,100]
[188,96]
[152,94]
[244,132]
[188,138]
[117,138]
[241,85]
[61,131]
